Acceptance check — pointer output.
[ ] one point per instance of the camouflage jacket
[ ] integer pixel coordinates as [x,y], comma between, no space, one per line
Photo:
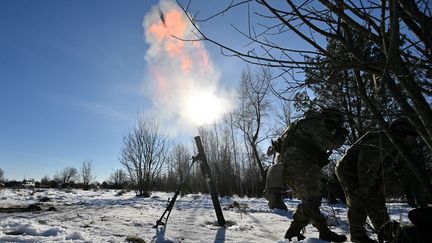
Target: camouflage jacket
[362,163]
[315,137]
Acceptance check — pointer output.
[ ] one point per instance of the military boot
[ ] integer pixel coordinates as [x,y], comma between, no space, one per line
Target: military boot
[362,239]
[275,201]
[294,231]
[329,235]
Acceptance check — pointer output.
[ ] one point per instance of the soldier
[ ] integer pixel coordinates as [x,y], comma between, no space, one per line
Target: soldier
[415,195]
[303,150]
[360,173]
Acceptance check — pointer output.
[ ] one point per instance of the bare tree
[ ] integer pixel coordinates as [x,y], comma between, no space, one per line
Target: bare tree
[1,175]
[338,88]
[45,180]
[118,179]
[229,120]
[399,30]
[87,173]
[181,160]
[254,103]
[67,175]
[218,146]
[144,153]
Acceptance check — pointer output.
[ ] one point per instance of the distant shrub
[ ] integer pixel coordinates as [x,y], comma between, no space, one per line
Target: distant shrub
[45,199]
[120,193]
[33,208]
[240,207]
[135,239]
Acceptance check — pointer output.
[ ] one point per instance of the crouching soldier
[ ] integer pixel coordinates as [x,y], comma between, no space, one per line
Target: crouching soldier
[360,173]
[303,150]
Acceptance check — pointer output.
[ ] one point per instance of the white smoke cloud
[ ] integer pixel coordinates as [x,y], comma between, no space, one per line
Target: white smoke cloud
[182,81]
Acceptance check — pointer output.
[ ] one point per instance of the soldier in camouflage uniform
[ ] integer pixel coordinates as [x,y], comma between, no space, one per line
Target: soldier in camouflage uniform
[414,192]
[300,161]
[361,176]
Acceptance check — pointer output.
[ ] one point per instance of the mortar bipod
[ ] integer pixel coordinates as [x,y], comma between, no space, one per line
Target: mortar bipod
[205,169]
[173,200]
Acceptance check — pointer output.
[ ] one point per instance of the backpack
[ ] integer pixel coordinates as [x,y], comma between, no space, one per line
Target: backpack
[286,137]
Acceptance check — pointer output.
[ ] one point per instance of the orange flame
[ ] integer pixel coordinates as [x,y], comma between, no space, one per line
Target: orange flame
[175,25]
[183,76]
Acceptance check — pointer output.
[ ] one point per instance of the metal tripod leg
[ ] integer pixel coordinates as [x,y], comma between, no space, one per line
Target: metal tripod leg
[167,210]
[207,176]
[173,200]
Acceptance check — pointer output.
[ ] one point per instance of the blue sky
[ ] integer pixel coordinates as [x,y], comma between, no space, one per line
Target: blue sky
[72,80]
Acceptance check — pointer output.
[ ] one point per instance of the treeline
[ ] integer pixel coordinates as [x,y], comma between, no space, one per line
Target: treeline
[370,60]
[236,147]
[71,177]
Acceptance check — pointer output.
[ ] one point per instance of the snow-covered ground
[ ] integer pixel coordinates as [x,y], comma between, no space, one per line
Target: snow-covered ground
[109,216]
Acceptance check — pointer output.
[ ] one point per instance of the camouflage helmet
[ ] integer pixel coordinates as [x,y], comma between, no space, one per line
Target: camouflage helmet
[333,114]
[403,126]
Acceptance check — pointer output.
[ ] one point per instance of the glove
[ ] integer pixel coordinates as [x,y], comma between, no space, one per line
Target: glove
[270,151]
[361,191]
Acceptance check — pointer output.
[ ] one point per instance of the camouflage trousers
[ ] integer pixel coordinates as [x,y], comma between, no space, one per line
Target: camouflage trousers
[414,192]
[359,208]
[304,178]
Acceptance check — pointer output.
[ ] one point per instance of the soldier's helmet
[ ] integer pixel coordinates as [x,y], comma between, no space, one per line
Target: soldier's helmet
[403,126]
[333,114]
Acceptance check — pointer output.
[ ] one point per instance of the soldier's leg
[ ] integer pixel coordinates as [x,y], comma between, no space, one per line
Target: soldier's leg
[357,213]
[311,202]
[420,197]
[376,209]
[310,208]
[299,222]
[307,186]
[408,189]
[357,216]
[275,187]
[419,194]
[293,176]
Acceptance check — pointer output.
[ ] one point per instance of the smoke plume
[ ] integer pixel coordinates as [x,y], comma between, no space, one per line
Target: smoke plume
[183,83]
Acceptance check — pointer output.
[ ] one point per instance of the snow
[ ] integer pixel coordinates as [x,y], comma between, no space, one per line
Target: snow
[111,216]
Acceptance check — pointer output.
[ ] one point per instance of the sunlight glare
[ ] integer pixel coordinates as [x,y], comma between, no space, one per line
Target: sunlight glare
[203,107]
